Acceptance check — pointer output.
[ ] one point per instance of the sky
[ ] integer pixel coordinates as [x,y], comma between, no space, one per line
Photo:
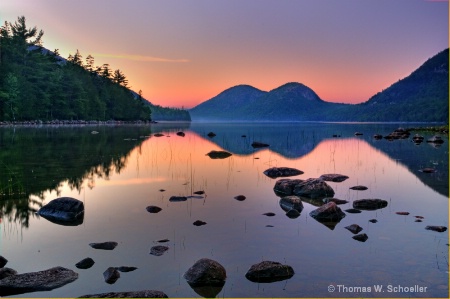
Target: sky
[184,52]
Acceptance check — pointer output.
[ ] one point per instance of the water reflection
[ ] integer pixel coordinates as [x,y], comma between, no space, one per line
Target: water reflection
[294,141]
[37,160]
[237,234]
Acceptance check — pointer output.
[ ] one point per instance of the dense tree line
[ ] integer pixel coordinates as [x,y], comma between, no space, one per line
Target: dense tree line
[37,84]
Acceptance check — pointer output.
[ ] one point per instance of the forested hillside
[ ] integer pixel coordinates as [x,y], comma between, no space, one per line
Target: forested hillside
[38,84]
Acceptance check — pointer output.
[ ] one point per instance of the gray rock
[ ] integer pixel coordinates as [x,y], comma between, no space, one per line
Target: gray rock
[240,197]
[85,263]
[5,272]
[153,209]
[276,172]
[269,214]
[63,210]
[218,154]
[359,188]
[177,198]
[36,281]
[3,261]
[110,245]
[439,229]
[313,188]
[335,200]
[199,223]
[288,203]
[436,139]
[206,272]
[268,271]
[361,237]
[328,212]
[285,187]
[354,228]
[257,144]
[135,294]
[370,204]
[111,275]
[158,250]
[126,268]
[333,177]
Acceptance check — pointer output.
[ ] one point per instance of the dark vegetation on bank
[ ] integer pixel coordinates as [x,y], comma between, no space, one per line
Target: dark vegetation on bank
[39,85]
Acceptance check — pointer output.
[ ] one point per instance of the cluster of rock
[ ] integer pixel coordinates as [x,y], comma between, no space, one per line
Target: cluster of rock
[402,133]
[207,277]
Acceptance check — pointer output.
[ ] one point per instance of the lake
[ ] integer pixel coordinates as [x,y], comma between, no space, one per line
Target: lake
[120,170]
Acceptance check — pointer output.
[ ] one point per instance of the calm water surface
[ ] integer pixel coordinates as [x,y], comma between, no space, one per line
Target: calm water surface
[120,171]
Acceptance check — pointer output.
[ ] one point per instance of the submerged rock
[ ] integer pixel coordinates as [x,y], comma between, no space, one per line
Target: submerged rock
[206,272]
[211,134]
[361,237]
[313,188]
[439,229]
[373,221]
[158,250]
[37,281]
[359,188]
[240,197]
[259,144]
[268,271]
[276,172]
[218,154]
[370,204]
[135,294]
[177,198]
[180,134]
[158,135]
[85,263]
[402,213]
[435,139]
[111,275]
[354,228]
[153,209]
[335,200]
[333,177]
[378,136]
[199,192]
[270,214]
[199,223]
[110,245]
[428,170]
[63,210]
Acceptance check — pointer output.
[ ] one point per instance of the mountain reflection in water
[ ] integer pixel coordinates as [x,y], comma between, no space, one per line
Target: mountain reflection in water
[122,170]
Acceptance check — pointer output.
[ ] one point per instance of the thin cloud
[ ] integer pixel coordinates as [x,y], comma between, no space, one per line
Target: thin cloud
[142,58]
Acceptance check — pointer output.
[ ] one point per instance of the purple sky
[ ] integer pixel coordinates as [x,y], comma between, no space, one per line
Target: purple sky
[181,53]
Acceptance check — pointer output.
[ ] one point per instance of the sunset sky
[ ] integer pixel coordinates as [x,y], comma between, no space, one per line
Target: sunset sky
[181,53]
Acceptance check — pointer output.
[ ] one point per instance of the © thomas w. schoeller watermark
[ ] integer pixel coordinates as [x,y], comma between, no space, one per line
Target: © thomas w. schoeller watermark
[377,288]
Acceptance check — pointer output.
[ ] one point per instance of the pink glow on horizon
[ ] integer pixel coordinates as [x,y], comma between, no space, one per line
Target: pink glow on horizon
[182,53]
